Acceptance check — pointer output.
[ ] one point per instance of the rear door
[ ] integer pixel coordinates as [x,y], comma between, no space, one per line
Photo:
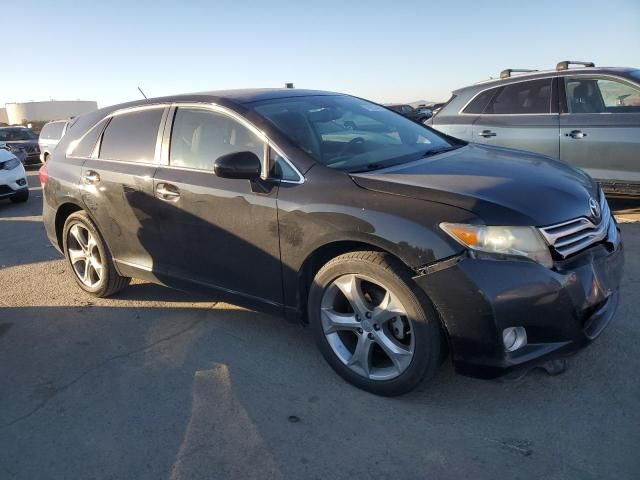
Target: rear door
[600,127]
[520,115]
[118,185]
[217,233]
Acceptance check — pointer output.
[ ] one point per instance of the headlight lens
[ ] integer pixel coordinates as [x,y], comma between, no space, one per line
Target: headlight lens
[518,241]
[10,164]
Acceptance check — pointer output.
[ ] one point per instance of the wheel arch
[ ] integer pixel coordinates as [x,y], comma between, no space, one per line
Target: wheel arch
[317,258]
[62,213]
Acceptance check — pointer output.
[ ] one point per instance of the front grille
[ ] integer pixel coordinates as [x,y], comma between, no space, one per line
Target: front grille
[575,235]
[5,189]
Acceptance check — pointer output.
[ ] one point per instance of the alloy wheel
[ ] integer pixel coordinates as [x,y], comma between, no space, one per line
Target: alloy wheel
[367,327]
[84,255]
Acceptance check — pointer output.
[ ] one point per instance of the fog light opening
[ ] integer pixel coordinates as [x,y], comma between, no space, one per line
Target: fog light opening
[514,338]
[22,182]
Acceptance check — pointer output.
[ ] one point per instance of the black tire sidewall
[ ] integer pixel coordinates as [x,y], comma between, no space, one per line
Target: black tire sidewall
[83,219]
[424,323]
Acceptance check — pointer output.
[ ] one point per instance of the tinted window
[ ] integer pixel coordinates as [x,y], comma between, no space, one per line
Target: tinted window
[88,142]
[348,133]
[199,137]
[522,98]
[132,136]
[479,103]
[600,95]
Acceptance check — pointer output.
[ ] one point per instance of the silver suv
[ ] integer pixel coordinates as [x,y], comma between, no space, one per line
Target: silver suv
[50,135]
[587,116]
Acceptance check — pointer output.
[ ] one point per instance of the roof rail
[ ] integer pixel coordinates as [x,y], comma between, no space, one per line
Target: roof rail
[507,73]
[565,65]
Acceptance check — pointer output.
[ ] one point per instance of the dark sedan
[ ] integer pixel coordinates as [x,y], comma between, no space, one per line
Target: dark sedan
[396,243]
[22,142]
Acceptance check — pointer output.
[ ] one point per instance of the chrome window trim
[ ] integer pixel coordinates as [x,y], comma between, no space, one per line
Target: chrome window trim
[460,112]
[106,119]
[214,107]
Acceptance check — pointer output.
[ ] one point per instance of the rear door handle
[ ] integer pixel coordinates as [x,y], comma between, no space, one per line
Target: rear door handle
[575,134]
[487,134]
[90,177]
[168,192]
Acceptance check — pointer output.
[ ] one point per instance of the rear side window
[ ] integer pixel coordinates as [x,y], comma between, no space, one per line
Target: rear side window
[478,104]
[52,131]
[131,137]
[522,98]
[200,136]
[88,142]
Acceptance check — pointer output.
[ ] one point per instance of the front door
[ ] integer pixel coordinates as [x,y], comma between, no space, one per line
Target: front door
[218,233]
[520,115]
[600,129]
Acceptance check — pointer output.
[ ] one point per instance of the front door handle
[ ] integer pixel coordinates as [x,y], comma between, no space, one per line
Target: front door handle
[487,134]
[91,177]
[575,134]
[168,192]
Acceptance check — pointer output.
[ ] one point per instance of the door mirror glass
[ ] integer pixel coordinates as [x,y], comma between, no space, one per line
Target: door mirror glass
[238,165]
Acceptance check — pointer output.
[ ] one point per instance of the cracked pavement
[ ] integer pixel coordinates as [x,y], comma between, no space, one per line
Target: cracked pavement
[157,384]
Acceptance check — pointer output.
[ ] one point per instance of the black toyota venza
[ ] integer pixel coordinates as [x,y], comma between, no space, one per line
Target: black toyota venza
[396,243]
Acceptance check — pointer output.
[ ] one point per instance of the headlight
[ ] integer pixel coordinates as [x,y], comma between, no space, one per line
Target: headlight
[518,241]
[10,164]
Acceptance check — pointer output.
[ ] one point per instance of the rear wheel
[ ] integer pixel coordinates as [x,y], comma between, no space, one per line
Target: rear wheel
[21,197]
[372,324]
[89,257]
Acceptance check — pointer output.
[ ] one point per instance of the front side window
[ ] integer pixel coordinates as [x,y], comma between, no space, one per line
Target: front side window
[601,95]
[533,97]
[132,137]
[199,137]
[350,134]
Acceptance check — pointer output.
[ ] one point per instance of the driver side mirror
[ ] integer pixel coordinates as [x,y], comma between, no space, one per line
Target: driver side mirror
[238,165]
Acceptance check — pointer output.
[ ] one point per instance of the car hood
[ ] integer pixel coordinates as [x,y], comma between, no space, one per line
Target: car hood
[500,185]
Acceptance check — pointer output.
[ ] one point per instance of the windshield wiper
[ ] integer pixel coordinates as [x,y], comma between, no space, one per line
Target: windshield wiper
[368,168]
[437,151]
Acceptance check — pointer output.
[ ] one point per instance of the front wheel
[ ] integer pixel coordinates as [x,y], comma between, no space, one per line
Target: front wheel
[89,257]
[372,324]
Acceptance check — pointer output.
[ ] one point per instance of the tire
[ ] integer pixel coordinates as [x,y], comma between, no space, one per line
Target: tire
[81,235]
[21,197]
[376,272]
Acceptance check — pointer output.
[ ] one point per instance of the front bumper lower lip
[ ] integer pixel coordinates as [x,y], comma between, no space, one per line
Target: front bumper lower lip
[562,310]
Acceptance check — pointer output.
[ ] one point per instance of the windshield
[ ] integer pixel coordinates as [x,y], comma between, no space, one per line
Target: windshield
[16,134]
[350,134]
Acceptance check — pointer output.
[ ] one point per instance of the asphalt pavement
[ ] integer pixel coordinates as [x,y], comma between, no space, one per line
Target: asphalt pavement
[159,384]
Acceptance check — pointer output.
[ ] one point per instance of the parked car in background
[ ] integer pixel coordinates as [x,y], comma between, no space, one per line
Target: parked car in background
[23,142]
[373,232]
[417,115]
[587,116]
[13,179]
[50,135]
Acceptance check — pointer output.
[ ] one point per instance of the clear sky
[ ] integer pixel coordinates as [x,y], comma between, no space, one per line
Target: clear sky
[388,51]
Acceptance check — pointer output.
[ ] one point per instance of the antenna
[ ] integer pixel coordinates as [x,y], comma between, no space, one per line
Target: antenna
[145,97]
